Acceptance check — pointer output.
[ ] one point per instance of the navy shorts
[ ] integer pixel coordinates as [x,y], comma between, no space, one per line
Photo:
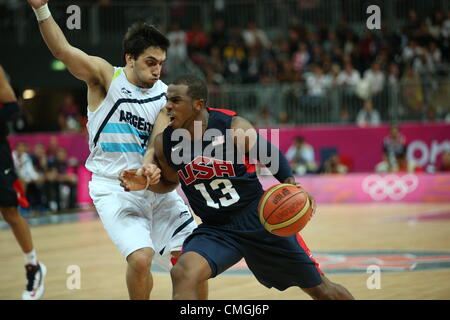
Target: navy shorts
[279,262]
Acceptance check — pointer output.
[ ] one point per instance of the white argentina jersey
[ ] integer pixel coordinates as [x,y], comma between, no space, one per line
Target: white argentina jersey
[121,126]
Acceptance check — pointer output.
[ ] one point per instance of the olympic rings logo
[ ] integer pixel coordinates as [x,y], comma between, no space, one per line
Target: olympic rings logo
[390,186]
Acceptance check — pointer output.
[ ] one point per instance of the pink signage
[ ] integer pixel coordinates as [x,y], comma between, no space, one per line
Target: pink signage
[76,145]
[364,146]
[350,188]
[365,188]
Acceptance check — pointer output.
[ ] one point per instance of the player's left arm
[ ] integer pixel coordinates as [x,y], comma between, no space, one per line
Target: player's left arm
[8,101]
[247,140]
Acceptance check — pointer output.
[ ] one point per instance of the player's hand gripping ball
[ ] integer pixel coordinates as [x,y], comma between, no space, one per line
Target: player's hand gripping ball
[285,209]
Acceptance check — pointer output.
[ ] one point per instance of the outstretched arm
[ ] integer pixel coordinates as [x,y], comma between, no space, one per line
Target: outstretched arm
[90,69]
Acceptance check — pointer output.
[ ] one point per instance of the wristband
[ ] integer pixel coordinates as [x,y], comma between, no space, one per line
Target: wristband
[42,13]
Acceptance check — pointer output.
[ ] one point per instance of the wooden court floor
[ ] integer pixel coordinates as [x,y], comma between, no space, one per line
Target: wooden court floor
[396,227]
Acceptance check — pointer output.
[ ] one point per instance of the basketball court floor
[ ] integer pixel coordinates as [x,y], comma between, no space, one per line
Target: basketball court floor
[377,251]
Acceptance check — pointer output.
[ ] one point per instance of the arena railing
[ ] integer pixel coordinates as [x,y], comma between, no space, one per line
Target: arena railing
[100,24]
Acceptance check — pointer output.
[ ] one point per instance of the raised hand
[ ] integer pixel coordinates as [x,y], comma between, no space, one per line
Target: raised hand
[37,3]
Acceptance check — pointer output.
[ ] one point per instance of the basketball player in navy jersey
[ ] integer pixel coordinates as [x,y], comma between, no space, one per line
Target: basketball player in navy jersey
[225,195]
[35,270]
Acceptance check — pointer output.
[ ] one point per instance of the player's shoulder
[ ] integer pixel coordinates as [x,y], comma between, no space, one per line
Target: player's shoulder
[161,86]
[238,122]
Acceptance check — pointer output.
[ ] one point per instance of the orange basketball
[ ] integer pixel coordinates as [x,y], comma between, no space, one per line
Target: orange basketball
[285,209]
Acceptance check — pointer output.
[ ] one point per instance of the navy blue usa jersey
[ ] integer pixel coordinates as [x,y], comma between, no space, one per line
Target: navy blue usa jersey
[217,180]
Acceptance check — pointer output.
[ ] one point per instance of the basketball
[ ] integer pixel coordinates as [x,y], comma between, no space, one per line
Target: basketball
[285,209]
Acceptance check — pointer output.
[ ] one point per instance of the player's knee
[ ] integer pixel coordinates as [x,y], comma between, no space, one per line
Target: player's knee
[180,273]
[140,260]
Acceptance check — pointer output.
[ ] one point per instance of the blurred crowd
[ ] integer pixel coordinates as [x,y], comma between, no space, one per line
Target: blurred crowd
[301,156]
[49,177]
[322,58]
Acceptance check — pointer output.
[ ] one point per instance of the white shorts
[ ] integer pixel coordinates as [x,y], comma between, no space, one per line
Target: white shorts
[142,219]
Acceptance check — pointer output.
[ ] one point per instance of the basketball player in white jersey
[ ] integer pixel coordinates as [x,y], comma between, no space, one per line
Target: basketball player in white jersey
[123,107]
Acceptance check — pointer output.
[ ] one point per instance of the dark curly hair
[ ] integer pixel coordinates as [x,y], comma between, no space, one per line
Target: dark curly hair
[141,36]
[197,88]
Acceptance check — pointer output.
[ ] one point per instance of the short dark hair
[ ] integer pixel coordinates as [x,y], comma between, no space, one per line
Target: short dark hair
[141,36]
[197,88]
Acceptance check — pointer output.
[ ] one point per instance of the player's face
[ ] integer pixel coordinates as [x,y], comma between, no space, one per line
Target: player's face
[147,67]
[180,106]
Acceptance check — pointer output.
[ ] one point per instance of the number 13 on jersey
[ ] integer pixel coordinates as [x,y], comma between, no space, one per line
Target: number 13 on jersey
[230,194]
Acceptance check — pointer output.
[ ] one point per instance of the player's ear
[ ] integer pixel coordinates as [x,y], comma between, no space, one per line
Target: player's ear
[199,104]
[129,59]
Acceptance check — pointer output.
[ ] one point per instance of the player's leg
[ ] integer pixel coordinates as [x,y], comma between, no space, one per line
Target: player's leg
[19,227]
[191,271]
[283,262]
[139,278]
[172,223]
[328,290]
[35,271]
[202,287]
[124,220]
[207,252]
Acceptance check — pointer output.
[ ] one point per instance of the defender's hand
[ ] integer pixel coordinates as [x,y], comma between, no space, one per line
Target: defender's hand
[135,180]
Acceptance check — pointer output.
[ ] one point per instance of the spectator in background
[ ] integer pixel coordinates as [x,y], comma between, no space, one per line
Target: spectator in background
[445,39]
[36,192]
[218,35]
[24,164]
[403,164]
[344,116]
[63,182]
[53,146]
[251,66]
[384,166]
[368,116]
[301,57]
[317,85]
[393,78]
[412,93]
[410,52]
[412,25]
[334,166]
[197,42]
[375,79]
[393,145]
[255,37]
[349,78]
[301,157]
[264,118]
[445,162]
[69,117]
[178,48]
[234,55]
[317,82]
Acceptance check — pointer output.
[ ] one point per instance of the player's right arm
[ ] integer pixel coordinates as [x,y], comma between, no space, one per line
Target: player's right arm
[169,177]
[94,71]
